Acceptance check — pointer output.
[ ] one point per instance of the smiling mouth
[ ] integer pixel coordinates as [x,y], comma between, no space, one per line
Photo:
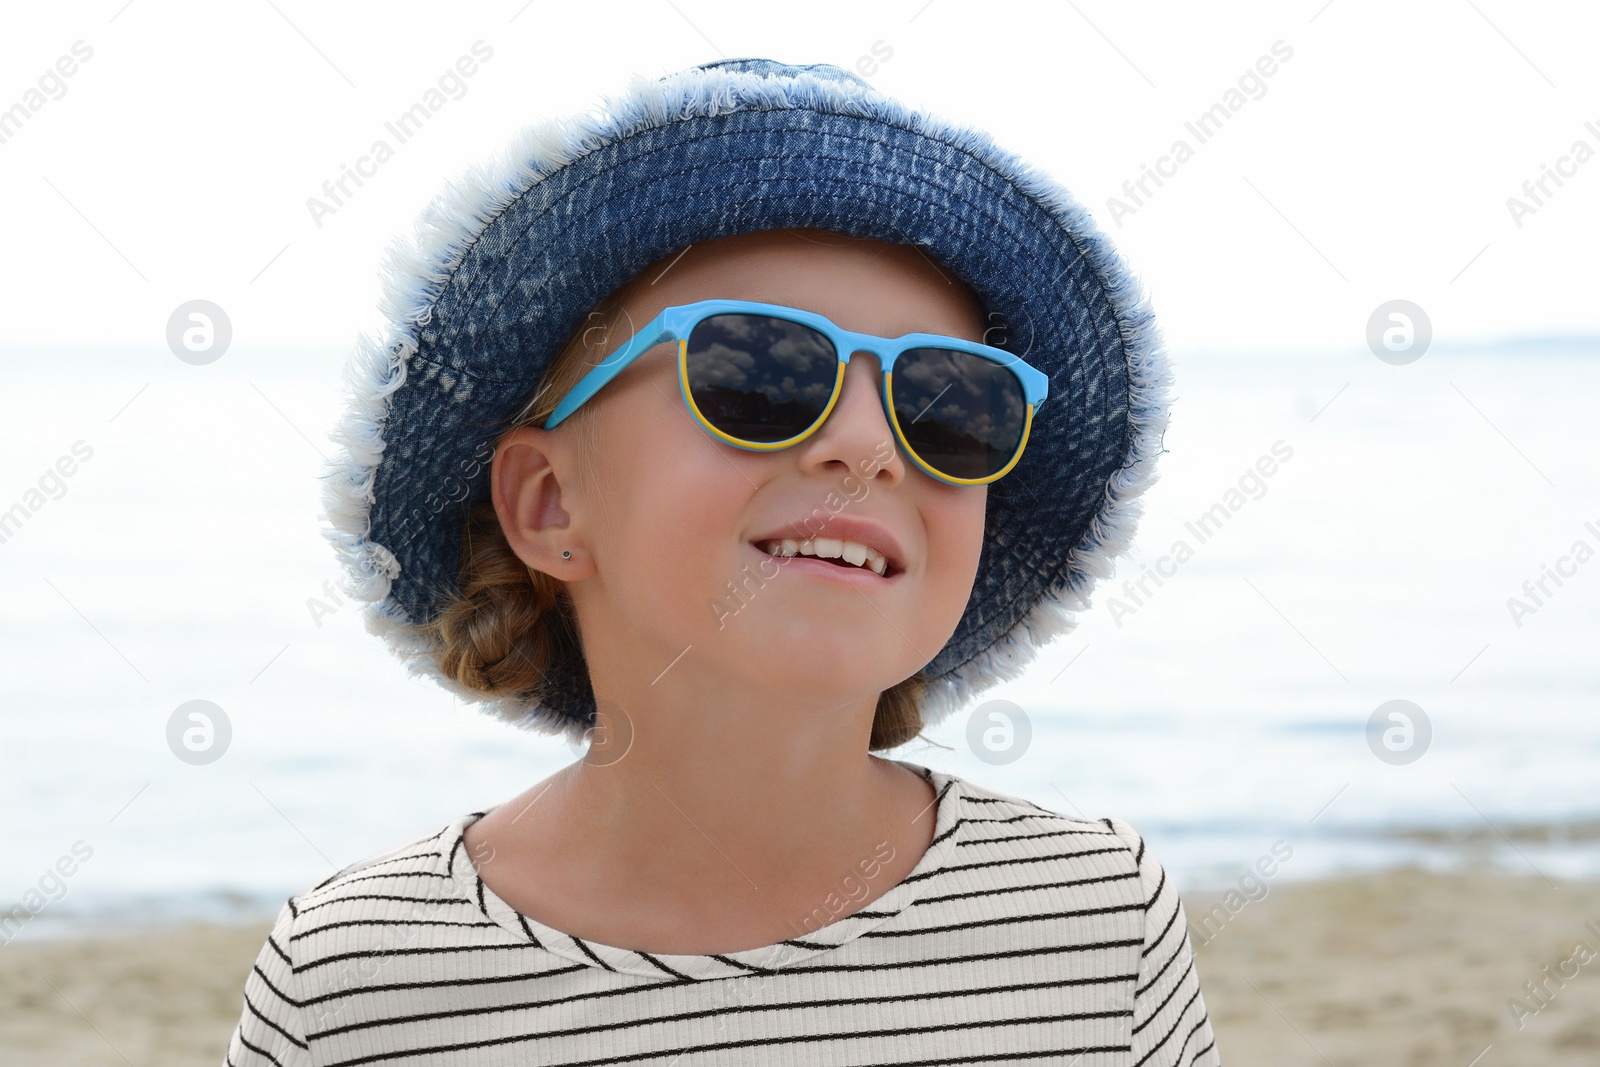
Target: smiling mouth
[808,548]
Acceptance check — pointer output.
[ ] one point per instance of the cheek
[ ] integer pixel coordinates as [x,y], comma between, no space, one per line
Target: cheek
[956,525]
[671,504]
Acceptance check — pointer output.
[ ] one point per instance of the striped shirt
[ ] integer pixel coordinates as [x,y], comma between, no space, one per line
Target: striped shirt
[1021,936]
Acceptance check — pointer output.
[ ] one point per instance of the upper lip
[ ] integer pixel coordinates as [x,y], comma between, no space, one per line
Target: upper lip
[861,531]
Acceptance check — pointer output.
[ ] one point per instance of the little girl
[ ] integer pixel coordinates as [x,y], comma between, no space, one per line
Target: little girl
[742,431]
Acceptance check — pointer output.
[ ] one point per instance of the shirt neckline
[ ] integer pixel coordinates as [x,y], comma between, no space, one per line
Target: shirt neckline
[766,959]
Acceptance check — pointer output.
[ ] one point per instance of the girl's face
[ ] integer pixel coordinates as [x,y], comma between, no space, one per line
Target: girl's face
[662,520]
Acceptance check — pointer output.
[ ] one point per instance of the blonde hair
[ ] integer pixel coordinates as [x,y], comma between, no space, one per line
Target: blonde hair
[508,624]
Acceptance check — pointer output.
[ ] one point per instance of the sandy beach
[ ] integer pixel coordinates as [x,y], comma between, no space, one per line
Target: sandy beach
[1406,967]
[1400,967]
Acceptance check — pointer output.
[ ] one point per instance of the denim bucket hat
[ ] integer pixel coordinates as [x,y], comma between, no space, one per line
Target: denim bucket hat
[507,260]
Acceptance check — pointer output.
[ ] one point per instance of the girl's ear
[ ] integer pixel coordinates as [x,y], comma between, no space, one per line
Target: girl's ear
[528,499]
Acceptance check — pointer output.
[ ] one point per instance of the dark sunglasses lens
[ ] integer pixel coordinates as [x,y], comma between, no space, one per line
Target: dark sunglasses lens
[963,414]
[758,378]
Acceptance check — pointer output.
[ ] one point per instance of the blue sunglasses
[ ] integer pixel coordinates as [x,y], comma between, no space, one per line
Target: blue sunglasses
[763,377]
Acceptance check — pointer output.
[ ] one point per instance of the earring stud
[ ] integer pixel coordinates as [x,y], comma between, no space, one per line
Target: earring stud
[566,553]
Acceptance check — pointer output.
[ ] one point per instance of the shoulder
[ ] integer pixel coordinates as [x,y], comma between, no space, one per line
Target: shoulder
[1115,897]
[1008,839]
[347,935]
[389,905]
[1109,848]
[985,806]
[419,867]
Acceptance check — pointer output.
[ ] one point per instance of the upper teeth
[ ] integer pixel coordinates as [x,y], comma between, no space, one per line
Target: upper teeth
[829,548]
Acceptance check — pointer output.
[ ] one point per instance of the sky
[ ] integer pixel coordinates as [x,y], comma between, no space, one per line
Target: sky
[168,152]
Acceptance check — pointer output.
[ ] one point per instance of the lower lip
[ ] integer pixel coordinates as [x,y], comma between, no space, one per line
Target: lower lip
[812,567]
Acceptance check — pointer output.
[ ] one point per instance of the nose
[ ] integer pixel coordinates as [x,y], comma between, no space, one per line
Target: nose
[857,432]
[861,398]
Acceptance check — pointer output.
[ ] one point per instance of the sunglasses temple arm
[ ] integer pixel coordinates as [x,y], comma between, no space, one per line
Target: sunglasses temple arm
[653,334]
[1036,384]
